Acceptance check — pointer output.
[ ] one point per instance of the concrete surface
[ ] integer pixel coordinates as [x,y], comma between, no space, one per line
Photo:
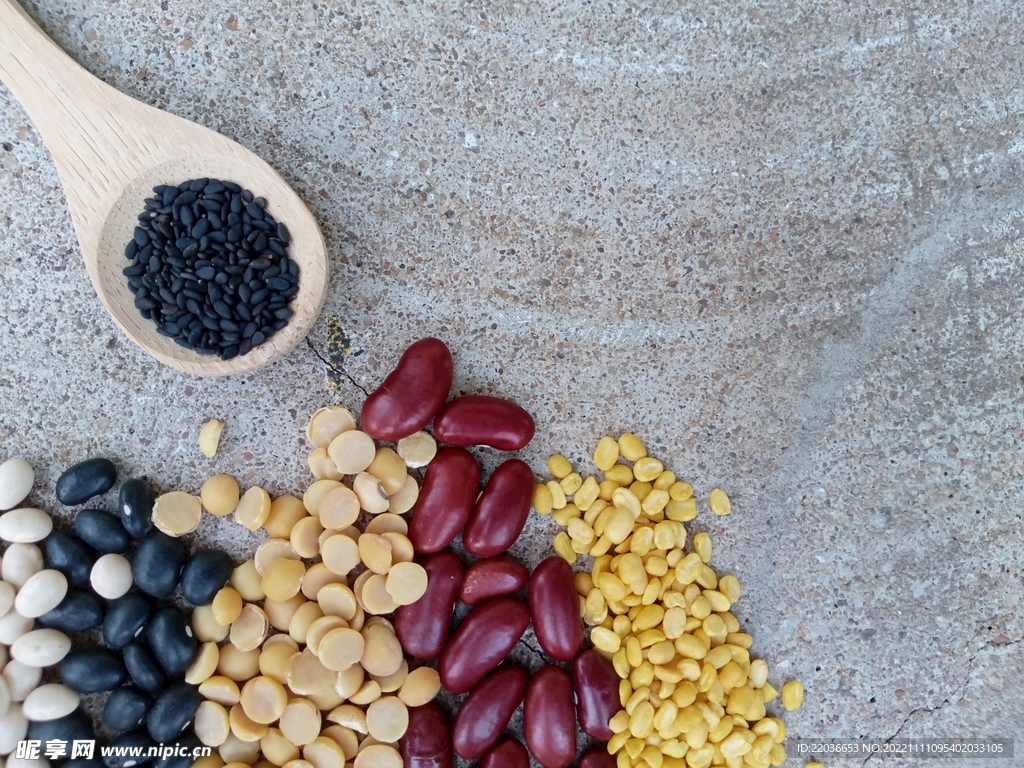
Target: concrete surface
[780,240]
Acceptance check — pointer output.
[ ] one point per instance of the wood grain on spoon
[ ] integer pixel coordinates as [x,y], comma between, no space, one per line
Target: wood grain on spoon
[111,150]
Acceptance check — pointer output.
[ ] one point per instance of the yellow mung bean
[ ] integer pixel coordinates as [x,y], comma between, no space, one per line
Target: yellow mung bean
[792,695]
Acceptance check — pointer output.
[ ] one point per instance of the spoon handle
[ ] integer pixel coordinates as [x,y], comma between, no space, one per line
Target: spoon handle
[84,122]
[49,84]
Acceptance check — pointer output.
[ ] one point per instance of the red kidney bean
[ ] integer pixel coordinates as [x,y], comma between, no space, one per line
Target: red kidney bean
[412,394]
[555,609]
[481,643]
[484,420]
[549,718]
[597,693]
[485,713]
[597,757]
[446,500]
[423,627]
[492,577]
[501,510]
[508,754]
[427,742]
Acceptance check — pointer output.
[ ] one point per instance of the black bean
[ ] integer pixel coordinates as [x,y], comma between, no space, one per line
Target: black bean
[90,670]
[125,709]
[229,352]
[73,727]
[210,322]
[187,217]
[133,271]
[283,314]
[230,326]
[185,198]
[213,187]
[86,479]
[260,263]
[245,347]
[197,185]
[258,338]
[141,237]
[276,247]
[146,672]
[79,611]
[170,637]
[205,572]
[222,309]
[235,234]
[279,284]
[206,273]
[172,711]
[125,750]
[69,555]
[279,325]
[157,563]
[219,236]
[126,619]
[190,250]
[258,296]
[135,506]
[243,311]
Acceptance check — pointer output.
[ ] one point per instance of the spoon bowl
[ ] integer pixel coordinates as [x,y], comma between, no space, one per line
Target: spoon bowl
[110,151]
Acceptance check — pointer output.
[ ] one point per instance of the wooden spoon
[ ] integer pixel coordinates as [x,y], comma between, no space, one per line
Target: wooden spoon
[111,150]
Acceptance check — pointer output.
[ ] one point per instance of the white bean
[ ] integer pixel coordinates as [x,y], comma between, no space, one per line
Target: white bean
[41,647]
[23,762]
[20,562]
[111,576]
[25,525]
[16,478]
[5,697]
[13,728]
[7,595]
[48,702]
[41,593]
[21,679]
[13,625]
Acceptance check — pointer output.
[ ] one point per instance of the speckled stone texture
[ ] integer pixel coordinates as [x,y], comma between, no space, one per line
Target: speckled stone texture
[782,241]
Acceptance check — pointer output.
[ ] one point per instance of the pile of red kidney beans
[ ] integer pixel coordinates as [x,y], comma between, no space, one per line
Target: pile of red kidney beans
[472,659]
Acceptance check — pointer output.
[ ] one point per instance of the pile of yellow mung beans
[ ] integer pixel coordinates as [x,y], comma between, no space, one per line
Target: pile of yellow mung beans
[691,695]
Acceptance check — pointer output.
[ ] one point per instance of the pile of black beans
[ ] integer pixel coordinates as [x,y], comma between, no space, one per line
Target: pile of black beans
[210,267]
[146,642]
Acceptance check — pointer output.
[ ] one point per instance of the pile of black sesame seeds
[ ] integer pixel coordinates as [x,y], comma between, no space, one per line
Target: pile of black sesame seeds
[210,267]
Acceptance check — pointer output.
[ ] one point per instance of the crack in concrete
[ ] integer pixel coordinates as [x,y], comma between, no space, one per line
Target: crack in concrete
[957,693]
[336,370]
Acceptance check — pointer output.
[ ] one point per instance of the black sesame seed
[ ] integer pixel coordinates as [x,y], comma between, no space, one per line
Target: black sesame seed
[209,265]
